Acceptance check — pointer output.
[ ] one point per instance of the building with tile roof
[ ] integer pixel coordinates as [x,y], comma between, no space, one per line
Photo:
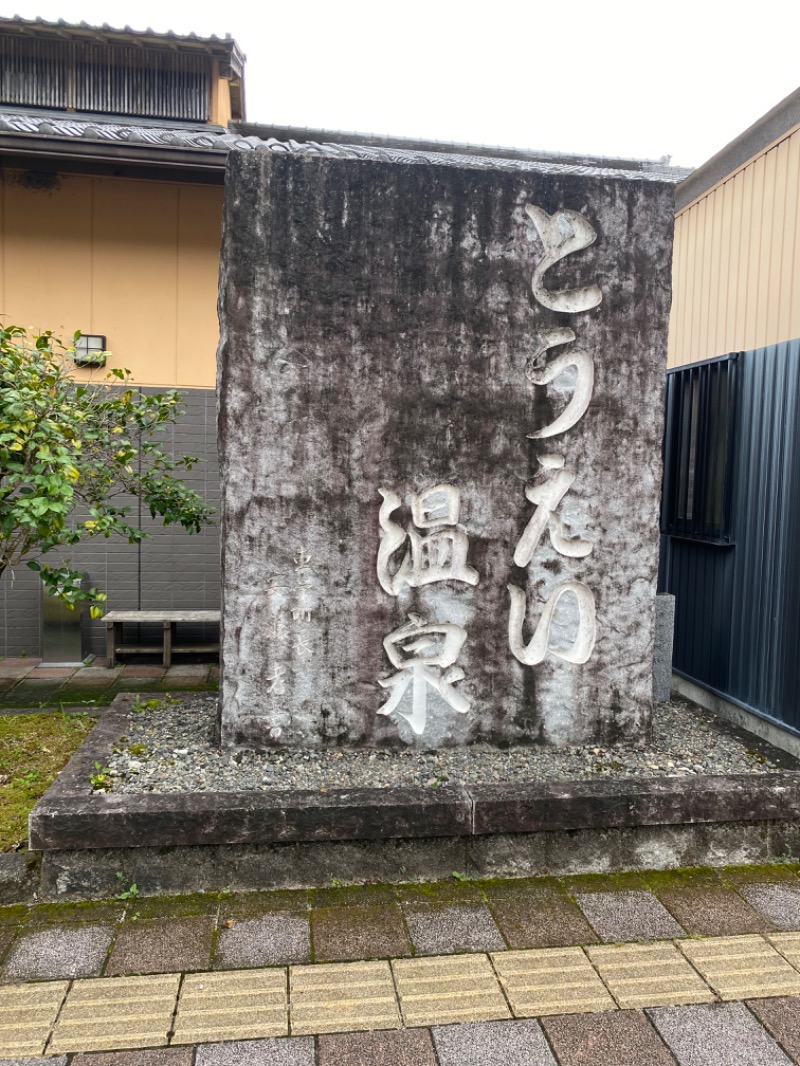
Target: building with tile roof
[113,144]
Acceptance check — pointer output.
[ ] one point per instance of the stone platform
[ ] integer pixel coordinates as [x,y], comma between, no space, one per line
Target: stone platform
[207,841]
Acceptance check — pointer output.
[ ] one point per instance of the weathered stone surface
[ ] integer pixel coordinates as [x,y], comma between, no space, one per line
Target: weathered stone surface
[387,336]
[654,801]
[18,873]
[91,874]
[249,817]
[662,646]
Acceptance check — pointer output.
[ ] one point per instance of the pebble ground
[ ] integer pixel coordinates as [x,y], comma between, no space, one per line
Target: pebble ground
[169,748]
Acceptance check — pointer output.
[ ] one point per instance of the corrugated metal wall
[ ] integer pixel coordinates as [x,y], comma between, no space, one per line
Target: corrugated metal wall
[736,273]
[121,80]
[737,626]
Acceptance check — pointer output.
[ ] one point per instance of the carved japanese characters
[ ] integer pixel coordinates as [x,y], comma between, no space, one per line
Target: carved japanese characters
[423,654]
[439,376]
[439,553]
[561,234]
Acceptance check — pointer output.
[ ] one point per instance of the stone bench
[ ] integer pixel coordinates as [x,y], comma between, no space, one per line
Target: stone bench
[169,621]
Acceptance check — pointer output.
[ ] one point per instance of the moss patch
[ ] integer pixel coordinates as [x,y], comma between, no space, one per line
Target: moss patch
[67,913]
[440,892]
[189,906]
[626,881]
[692,877]
[15,914]
[256,904]
[747,875]
[353,896]
[34,748]
[509,888]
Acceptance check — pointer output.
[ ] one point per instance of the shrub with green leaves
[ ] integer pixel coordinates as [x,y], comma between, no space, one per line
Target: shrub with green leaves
[72,454]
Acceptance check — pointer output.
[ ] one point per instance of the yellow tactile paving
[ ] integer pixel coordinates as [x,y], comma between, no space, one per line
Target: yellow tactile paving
[342,997]
[551,981]
[788,944]
[450,988]
[649,975]
[239,1005]
[104,1014]
[27,1014]
[742,967]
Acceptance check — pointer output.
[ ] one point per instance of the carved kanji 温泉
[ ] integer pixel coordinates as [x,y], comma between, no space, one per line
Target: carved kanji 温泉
[424,656]
[436,548]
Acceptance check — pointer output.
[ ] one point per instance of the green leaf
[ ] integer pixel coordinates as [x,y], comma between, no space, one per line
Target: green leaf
[68,449]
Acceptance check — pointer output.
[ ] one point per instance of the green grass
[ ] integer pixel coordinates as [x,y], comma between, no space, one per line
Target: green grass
[34,748]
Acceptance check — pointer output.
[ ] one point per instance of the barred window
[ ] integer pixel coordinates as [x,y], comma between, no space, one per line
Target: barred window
[698,453]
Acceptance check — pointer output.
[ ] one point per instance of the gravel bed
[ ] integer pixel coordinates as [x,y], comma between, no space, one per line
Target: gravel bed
[168,748]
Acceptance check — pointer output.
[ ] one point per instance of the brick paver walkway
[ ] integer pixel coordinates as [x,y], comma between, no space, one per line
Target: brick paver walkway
[24,682]
[245,980]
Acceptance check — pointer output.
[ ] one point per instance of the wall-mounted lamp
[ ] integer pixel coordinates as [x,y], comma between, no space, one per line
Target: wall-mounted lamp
[90,350]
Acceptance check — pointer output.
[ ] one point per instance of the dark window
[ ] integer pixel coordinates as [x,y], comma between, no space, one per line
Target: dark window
[698,438]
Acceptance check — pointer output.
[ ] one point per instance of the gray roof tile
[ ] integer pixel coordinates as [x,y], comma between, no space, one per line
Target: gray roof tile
[216,139]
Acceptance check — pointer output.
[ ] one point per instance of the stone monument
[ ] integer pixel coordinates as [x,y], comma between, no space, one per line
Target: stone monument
[440,388]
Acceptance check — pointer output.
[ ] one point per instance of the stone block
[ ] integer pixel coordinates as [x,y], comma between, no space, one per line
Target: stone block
[512,1043]
[551,981]
[712,911]
[541,922]
[780,903]
[648,975]
[167,945]
[349,996]
[231,1006]
[77,951]
[408,1047]
[122,1012]
[634,915]
[624,1038]
[342,933]
[442,928]
[270,940]
[742,967]
[716,1034]
[162,1057]
[441,392]
[298,1051]
[781,1017]
[17,877]
[27,1015]
[662,647]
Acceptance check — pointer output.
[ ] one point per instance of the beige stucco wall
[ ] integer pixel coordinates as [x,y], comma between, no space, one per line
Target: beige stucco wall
[134,260]
[736,273]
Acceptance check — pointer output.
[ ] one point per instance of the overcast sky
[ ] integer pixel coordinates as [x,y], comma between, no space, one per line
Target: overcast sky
[613,77]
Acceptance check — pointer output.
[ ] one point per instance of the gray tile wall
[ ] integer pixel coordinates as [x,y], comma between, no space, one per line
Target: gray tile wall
[170,569]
